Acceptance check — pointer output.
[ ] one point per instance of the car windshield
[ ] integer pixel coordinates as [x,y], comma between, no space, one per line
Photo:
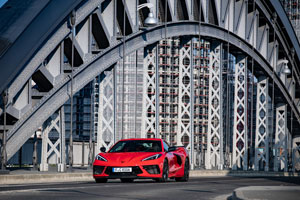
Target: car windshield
[137,146]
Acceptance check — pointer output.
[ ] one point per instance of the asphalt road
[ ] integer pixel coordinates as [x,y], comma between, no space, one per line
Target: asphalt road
[197,188]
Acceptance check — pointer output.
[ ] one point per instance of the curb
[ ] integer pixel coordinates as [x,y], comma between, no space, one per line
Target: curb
[255,192]
[220,173]
[41,177]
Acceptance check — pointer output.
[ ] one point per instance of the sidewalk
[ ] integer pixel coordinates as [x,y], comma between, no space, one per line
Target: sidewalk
[21,176]
[267,192]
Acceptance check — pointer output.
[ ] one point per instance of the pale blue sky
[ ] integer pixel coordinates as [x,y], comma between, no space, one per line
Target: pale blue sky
[2,2]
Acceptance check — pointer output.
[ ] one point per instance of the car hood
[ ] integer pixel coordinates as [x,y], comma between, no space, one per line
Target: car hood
[128,157]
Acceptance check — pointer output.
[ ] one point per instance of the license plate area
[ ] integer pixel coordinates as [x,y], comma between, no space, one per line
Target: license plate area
[121,169]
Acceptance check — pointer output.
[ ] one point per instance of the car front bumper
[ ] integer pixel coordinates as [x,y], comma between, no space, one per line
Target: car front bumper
[141,171]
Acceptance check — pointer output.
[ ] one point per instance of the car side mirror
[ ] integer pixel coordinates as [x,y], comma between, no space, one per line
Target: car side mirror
[103,149]
[172,149]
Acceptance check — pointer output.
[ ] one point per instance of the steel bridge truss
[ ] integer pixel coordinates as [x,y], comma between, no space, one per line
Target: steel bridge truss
[281,139]
[215,131]
[106,114]
[56,150]
[240,115]
[102,39]
[185,118]
[262,138]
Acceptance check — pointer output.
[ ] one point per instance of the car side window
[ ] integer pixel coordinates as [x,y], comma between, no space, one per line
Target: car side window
[166,146]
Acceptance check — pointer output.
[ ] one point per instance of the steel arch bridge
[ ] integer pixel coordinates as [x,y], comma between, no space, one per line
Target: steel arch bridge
[36,60]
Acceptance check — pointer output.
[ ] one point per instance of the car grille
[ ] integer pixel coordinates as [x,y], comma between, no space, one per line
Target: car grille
[135,170]
[98,169]
[152,169]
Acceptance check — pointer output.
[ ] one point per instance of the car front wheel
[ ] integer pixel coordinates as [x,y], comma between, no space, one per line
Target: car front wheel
[165,173]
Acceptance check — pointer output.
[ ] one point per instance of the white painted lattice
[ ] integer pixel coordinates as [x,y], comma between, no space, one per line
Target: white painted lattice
[296,154]
[280,160]
[106,137]
[214,139]
[184,115]
[150,62]
[240,115]
[58,149]
[262,126]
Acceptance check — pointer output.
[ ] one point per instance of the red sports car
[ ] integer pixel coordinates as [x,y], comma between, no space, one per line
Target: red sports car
[131,159]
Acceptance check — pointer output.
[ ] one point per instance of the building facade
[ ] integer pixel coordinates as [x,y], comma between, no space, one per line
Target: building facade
[292,9]
[179,84]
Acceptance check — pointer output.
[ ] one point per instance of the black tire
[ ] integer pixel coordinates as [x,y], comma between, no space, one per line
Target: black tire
[165,173]
[186,175]
[127,180]
[101,180]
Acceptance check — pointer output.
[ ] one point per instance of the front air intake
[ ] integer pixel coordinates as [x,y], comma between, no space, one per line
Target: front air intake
[98,169]
[152,169]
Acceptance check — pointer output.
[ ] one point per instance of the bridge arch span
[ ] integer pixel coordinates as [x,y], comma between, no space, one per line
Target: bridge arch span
[86,73]
[254,31]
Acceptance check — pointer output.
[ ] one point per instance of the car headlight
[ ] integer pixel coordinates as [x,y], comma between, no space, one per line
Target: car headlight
[101,158]
[156,156]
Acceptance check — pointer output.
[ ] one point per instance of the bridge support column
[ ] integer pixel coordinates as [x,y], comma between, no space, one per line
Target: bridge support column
[281,134]
[215,122]
[151,93]
[58,148]
[240,153]
[106,127]
[262,126]
[44,159]
[184,135]
[62,138]
[296,154]
[34,155]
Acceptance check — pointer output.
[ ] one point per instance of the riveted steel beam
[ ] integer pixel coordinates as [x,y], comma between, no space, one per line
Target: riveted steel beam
[98,63]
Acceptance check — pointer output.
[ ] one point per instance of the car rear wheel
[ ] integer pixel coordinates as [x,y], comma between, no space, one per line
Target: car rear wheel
[127,180]
[185,177]
[165,173]
[101,180]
